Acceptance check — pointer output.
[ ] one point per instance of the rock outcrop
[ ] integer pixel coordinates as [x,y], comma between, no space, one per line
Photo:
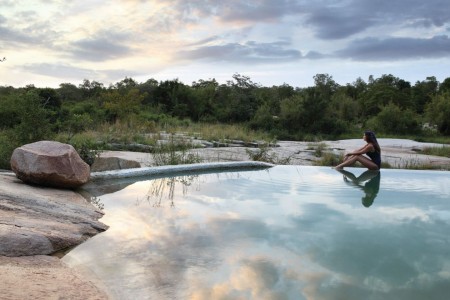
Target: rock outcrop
[113,163]
[41,220]
[50,163]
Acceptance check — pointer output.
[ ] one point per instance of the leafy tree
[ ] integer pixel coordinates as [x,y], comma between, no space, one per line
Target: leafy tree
[422,92]
[6,90]
[242,102]
[69,92]
[292,113]
[325,86]
[445,85]
[272,97]
[438,112]
[91,89]
[382,91]
[236,101]
[148,89]
[167,95]
[204,94]
[356,89]
[393,119]
[120,106]
[125,84]
[343,106]
[49,98]
[263,119]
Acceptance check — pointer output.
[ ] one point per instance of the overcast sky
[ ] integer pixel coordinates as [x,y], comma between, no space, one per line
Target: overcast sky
[49,42]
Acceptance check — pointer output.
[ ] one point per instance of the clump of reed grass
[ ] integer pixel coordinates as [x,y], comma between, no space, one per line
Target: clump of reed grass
[318,148]
[264,154]
[221,132]
[419,165]
[386,165]
[437,151]
[174,152]
[329,159]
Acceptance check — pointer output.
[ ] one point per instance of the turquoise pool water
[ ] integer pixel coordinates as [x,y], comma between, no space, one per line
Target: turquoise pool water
[288,232]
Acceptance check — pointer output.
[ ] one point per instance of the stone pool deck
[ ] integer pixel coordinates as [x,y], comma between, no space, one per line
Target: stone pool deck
[46,277]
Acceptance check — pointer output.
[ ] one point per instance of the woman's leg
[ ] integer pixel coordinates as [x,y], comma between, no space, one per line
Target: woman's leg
[358,158]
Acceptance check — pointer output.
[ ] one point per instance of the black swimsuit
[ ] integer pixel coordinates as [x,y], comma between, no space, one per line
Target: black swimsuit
[375,156]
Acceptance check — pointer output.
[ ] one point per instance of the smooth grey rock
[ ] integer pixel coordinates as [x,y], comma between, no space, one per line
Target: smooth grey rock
[50,163]
[41,220]
[113,163]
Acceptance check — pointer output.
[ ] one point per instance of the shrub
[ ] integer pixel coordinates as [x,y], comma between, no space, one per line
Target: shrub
[438,151]
[392,119]
[329,159]
[263,154]
[438,112]
[318,148]
[174,153]
[87,148]
[6,150]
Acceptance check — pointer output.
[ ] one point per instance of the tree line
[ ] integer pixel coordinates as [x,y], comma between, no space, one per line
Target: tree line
[388,105]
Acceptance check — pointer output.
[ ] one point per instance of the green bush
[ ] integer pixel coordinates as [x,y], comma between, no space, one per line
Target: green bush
[438,151]
[31,124]
[263,154]
[263,119]
[6,150]
[174,152]
[392,119]
[438,112]
[329,159]
[34,124]
[87,148]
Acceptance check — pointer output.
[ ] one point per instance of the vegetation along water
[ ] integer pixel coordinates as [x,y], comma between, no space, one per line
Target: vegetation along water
[91,115]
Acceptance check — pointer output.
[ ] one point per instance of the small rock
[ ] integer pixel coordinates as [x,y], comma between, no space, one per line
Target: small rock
[113,163]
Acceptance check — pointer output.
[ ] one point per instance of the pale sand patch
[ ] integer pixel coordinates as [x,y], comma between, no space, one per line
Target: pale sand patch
[44,277]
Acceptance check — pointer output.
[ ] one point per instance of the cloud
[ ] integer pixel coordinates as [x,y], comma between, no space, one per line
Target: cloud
[14,36]
[100,48]
[329,20]
[7,3]
[59,70]
[331,25]
[374,49]
[257,11]
[65,71]
[36,34]
[205,41]
[250,51]
[314,55]
[342,20]
[245,36]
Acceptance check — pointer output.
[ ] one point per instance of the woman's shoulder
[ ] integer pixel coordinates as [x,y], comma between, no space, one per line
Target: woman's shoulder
[370,147]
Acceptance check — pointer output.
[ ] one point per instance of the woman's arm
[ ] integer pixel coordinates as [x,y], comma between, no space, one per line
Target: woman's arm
[365,149]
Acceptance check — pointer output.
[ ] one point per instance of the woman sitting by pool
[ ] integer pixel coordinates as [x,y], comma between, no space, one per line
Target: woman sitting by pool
[371,149]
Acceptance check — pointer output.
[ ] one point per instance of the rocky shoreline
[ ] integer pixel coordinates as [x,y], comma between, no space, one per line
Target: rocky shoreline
[398,153]
[36,221]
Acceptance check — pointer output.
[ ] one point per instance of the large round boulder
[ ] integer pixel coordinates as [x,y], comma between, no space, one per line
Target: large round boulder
[50,163]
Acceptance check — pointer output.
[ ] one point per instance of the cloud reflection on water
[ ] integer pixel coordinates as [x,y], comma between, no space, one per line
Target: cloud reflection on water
[253,236]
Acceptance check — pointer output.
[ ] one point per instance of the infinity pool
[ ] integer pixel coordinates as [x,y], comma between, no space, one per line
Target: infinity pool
[288,232]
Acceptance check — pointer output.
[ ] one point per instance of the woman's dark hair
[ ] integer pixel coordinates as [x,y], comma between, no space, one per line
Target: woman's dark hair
[371,138]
